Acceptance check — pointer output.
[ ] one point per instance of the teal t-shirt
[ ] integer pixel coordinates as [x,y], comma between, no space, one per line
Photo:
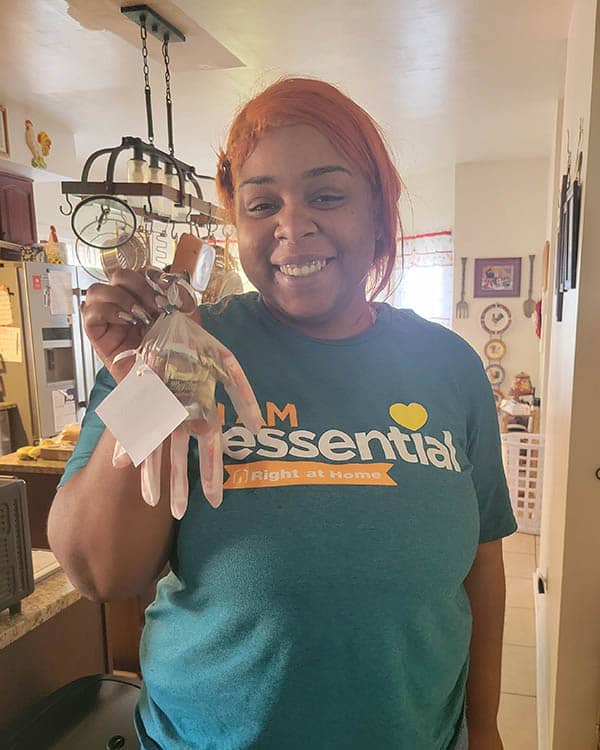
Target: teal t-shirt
[322,605]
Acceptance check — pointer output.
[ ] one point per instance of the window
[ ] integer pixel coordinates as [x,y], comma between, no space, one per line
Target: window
[426,283]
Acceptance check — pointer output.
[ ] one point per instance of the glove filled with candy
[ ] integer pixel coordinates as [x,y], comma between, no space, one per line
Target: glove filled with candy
[190,362]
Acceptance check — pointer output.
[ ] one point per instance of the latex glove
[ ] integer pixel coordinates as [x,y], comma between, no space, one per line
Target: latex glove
[207,430]
[211,362]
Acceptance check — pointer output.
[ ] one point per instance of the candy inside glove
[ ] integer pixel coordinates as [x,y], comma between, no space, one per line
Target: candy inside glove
[190,362]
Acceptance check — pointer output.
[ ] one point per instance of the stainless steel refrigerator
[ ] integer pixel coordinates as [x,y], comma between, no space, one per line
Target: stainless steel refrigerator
[47,365]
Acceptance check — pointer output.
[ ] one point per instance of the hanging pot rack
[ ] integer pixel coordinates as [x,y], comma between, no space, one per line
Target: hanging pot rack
[199,211]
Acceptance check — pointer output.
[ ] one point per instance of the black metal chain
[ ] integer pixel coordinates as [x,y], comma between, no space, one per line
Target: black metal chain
[146,69]
[168,99]
[165,50]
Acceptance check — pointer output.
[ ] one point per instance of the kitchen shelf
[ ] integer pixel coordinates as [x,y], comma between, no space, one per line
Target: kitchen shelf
[202,210]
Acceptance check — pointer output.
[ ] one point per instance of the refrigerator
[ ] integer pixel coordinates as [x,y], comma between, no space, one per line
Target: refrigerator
[47,364]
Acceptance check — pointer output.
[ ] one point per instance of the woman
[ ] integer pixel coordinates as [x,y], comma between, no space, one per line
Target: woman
[327,603]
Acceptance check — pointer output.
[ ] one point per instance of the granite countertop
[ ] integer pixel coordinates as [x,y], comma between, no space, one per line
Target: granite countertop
[51,596]
[11,463]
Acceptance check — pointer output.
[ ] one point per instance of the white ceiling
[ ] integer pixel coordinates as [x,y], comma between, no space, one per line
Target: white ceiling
[448,80]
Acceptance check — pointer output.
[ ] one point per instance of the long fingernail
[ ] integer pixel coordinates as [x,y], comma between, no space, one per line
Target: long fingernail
[129,318]
[141,314]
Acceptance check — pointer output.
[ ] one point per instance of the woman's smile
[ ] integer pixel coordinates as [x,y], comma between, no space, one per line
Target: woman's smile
[299,269]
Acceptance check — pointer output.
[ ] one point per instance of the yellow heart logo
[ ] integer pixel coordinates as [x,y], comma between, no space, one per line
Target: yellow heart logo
[413,416]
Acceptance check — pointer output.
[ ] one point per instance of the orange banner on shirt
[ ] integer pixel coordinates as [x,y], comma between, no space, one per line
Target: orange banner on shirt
[285,473]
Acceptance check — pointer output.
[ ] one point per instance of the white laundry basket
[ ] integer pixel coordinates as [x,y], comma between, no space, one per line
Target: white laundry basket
[523,454]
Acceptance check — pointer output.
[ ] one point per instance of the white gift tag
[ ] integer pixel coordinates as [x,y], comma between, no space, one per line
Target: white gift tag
[141,412]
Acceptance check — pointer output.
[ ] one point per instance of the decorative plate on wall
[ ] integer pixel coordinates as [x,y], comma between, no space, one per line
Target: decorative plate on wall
[496,374]
[495,349]
[496,318]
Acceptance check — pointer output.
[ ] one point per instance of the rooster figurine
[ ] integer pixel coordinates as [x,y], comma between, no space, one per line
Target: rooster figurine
[39,147]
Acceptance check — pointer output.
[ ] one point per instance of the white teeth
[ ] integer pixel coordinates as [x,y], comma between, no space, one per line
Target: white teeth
[313,267]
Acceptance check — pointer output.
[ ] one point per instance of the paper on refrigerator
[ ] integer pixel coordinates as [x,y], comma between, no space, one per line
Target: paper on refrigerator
[11,346]
[61,292]
[63,408]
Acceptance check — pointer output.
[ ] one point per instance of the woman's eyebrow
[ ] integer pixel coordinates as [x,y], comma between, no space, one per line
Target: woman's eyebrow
[258,181]
[315,172]
[318,171]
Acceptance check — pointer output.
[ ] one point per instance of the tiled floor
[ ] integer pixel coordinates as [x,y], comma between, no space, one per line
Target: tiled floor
[517,717]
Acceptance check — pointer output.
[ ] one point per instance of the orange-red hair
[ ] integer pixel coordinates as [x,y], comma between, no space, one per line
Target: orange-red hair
[350,129]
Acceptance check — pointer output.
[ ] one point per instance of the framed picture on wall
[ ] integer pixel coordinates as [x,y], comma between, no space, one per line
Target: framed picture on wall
[4,147]
[497,277]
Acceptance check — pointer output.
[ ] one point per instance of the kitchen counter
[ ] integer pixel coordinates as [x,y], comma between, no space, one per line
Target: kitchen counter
[50,597]
[11,463]
[58,637]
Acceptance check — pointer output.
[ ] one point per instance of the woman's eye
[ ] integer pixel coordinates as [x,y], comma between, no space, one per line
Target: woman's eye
[260,207]
[328,199]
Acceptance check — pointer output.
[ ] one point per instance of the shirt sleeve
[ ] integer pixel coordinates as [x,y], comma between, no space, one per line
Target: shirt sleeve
[485,454]
[92,426]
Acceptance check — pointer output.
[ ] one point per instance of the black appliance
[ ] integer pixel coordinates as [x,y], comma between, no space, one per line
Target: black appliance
[91,713]
[16,563]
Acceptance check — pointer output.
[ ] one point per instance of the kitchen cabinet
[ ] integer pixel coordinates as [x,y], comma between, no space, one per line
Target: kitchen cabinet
[125,622]
[58,637]
[124,618]
[17,212]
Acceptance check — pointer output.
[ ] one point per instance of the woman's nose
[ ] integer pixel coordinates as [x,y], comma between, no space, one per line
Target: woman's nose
[294,223]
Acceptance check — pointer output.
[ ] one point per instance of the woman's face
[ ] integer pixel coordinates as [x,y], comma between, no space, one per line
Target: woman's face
[306,234]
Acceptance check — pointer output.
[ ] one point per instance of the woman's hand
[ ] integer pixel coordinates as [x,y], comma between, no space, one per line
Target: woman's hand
[117,315]
[116,319]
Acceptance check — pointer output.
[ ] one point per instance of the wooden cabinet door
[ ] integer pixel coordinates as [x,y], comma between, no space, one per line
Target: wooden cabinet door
[17,213]
[124,625]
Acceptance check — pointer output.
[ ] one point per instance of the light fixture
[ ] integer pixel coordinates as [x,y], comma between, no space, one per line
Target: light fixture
[162,189]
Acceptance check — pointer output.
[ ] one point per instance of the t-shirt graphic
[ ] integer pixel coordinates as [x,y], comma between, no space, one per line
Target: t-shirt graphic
[336,457]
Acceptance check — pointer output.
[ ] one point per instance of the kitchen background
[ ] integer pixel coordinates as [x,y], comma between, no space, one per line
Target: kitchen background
[481,103]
